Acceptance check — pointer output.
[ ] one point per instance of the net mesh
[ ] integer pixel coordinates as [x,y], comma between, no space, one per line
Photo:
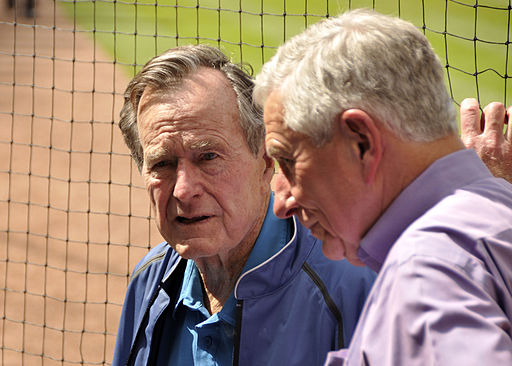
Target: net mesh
[74,216]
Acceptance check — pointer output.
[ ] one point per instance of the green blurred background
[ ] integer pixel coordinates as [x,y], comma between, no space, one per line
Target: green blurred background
[473,41]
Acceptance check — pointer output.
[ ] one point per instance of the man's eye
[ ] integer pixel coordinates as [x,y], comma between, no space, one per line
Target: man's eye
[161,164]
[209,156]
[285,163]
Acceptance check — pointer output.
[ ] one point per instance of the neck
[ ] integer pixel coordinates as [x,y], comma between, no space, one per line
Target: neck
[417,158]
[219,273]
[421,156]
[219,277]
[400,164]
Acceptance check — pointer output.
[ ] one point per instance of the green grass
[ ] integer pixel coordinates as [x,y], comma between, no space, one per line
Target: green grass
[134,32]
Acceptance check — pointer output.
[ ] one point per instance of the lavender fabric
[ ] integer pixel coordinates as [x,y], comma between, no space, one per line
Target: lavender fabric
[443,250]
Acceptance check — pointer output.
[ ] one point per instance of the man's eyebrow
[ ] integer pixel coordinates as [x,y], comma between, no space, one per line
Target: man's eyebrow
[271,151]
[274,152]
[155,154]
[205,144]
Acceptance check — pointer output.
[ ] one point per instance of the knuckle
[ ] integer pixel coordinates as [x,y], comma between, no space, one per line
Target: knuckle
[495,110]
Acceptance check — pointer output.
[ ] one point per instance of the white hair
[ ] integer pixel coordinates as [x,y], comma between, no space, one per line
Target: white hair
[365,60]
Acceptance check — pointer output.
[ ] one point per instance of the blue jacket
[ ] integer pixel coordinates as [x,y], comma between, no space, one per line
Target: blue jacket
[292,309]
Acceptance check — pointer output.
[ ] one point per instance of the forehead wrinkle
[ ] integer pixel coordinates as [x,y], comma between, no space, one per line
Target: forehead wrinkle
[187,124]
[186,115]
[186,140]
[200,137]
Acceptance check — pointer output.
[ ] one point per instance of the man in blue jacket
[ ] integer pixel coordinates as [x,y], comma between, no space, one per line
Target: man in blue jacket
[232,284]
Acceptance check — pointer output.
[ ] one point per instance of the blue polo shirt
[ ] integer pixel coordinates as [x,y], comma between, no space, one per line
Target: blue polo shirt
[192,336]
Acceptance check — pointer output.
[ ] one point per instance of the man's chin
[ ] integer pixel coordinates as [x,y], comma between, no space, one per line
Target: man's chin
[193,249]
[333,252]
[333,248]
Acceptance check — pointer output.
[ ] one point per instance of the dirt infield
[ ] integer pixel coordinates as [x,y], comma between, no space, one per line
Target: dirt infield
[73,213]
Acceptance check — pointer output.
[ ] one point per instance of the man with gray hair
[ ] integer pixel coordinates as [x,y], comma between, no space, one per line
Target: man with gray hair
[232,284]
[358,117]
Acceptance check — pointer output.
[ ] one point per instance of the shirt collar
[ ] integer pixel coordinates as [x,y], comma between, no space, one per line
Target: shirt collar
[439,180]
[274,234]
[191,294]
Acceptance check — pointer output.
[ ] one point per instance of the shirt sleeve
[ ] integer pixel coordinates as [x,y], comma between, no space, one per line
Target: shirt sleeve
[432,311]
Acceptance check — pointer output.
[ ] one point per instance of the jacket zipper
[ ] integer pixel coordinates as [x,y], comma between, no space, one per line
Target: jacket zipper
[238,331]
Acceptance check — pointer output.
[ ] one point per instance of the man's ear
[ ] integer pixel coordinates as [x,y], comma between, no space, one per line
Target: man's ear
[365,138]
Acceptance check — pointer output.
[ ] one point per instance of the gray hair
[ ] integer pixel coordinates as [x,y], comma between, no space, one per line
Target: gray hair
[166,72]
[365,60]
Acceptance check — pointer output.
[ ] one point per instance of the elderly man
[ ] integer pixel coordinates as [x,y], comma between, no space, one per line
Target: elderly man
[232,284]
[358,117]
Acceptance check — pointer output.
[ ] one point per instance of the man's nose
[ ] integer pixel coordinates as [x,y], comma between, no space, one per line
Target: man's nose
[285,204]
[188,181]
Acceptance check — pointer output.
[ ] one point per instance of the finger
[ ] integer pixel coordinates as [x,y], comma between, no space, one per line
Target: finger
[494,119]
[470,118]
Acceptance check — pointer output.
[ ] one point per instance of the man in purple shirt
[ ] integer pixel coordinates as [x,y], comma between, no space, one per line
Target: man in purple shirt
[359,119]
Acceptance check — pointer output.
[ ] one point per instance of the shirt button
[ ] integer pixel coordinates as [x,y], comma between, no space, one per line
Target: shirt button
[208,341]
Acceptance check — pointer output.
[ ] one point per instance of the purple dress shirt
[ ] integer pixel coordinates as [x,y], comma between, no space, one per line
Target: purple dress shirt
[443,250]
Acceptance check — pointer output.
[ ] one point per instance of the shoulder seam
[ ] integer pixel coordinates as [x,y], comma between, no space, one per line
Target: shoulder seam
[156,258]
[328,300]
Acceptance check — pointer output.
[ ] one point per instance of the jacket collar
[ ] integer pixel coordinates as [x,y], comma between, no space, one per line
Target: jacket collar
[280,268]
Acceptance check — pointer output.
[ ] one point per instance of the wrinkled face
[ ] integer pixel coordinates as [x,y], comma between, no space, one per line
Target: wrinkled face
[322,186]
[207,189]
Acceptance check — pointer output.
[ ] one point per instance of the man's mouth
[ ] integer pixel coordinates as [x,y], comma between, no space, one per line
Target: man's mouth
[191,220]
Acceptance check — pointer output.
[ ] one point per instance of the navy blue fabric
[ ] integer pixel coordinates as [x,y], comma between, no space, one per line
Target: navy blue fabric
[285,317]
